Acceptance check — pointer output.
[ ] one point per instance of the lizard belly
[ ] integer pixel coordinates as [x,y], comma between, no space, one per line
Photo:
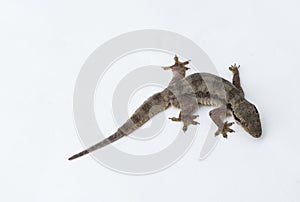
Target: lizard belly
[210,102]
[205,101]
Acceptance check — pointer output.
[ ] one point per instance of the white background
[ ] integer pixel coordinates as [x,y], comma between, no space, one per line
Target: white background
[43,46]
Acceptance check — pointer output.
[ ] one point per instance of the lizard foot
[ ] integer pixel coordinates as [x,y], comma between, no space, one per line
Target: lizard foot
[234,68]
[178,66]
[226,129]
[189,120]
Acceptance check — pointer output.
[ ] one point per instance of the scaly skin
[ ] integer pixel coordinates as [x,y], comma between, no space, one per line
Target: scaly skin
[187,93]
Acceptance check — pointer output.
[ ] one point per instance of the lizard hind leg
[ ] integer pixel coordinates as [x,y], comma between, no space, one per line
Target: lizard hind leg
[188,106]
[236,77]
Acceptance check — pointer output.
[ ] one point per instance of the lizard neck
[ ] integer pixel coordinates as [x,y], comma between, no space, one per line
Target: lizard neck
[237,100]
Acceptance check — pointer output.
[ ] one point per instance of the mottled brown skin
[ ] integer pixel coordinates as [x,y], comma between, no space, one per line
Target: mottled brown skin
[187,93]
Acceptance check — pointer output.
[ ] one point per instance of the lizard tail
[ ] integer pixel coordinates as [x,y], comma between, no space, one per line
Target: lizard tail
[114,137]
[152,106]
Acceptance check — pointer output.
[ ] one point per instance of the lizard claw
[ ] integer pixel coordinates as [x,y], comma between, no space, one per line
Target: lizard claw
[195,116]
[176,59]
[195,123]
[186,62]
[166,68]
[175,118]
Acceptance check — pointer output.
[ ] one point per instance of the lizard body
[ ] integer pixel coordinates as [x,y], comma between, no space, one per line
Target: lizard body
[187,93]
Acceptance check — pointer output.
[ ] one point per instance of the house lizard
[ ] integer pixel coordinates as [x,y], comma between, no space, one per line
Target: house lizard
[187,93]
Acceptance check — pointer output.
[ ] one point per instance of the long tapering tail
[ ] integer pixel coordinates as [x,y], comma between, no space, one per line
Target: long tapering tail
[152,106]
[114,137]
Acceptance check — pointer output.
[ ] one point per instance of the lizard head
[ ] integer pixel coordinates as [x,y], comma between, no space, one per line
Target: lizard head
[246,115]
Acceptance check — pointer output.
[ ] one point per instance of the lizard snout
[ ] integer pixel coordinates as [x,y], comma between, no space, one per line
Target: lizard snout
[256,130]
[257,135]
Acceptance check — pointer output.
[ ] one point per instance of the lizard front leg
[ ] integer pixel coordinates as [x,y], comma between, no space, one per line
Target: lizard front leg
[217,115]
[188,106]
[178,69]
[236,77]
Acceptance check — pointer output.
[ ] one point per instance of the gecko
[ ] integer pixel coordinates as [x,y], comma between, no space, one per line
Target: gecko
[188,93]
